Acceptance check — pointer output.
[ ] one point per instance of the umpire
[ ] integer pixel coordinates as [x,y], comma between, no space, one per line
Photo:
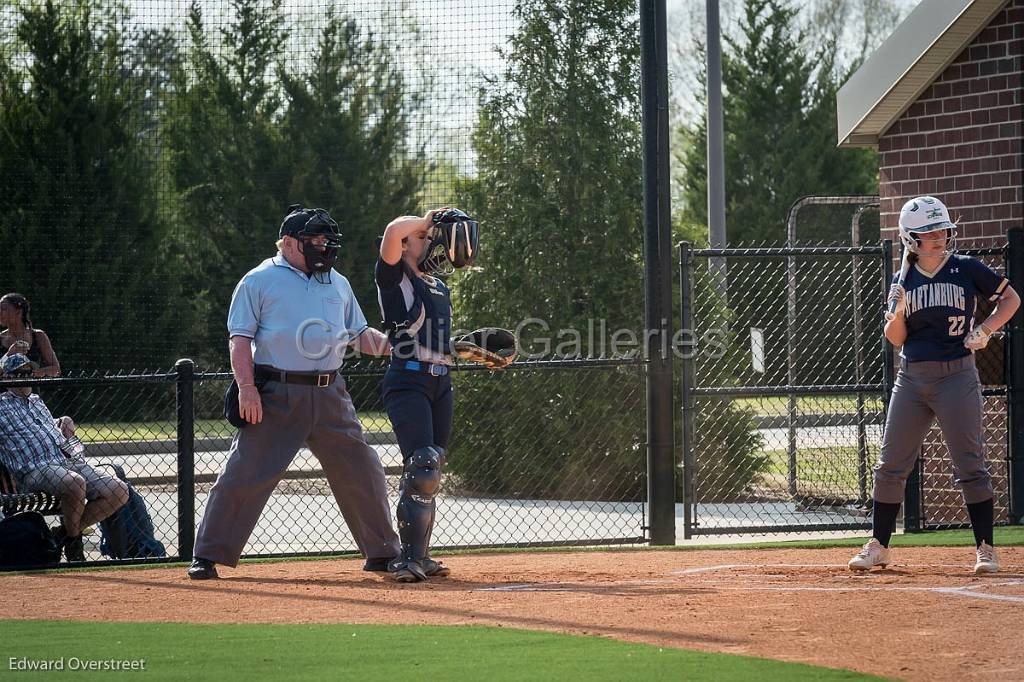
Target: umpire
[299,315]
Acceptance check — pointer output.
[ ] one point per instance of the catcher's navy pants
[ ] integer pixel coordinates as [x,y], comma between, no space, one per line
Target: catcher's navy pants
[924,391]
[420,407]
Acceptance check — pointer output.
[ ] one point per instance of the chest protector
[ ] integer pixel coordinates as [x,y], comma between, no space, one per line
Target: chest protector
[427,321]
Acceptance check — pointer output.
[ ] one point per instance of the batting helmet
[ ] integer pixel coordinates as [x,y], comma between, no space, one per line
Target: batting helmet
[925,214]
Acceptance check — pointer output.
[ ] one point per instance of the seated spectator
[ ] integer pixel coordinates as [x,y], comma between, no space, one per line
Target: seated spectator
[32,447]
[19,336]
[129,533]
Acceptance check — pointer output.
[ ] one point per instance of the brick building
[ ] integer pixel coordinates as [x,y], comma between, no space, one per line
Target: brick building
[942,99]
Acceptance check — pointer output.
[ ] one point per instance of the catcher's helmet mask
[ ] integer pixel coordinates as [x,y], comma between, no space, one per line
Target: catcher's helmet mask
[453,243]
[922,215]
[304,224]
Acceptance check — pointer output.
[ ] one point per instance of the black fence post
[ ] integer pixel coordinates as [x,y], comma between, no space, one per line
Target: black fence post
[185,402]
[661,462]
[1015,378]
[687,371]
[913,518]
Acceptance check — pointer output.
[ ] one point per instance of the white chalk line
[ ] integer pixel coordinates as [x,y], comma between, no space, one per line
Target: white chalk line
[973,591]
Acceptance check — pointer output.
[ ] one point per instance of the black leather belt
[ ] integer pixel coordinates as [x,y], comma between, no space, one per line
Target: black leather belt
[320,380]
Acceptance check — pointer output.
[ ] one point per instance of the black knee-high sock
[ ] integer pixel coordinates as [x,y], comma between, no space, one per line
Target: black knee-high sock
[982,515]
[883,520]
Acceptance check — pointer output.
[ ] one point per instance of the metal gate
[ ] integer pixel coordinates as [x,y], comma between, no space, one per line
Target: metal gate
[931,489]
[782,386]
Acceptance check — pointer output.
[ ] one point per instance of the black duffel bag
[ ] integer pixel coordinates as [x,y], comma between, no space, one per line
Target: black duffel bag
[26,540]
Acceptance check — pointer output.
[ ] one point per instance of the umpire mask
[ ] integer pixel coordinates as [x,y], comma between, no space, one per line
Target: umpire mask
[454,243]
[304,224]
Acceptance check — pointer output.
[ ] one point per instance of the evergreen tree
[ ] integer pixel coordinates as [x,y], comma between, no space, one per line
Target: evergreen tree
[780,128]
[225,158]
[558,191]
[250,134]
[558,196]
[82,236]
[345,135]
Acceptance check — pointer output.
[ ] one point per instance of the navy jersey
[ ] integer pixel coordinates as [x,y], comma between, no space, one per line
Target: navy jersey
[417,313]
[941,305]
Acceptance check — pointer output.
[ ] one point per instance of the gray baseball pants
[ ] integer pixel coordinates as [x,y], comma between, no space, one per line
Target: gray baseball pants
[293,414]
[951,392]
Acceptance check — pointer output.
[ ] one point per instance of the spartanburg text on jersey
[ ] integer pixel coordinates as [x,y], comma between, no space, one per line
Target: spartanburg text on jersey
[941,306]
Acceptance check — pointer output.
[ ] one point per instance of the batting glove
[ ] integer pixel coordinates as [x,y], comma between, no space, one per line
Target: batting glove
[978,338]
[898,294]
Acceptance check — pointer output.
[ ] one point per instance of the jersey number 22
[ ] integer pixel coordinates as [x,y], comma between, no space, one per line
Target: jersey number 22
[956,324]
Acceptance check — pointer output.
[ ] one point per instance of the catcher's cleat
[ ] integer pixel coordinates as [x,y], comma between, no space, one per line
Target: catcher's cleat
[202,569]
[987,562]
[434,569]
[408,572]
[872,554]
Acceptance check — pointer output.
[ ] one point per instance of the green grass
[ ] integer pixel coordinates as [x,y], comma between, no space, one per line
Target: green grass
[175,651]
[205,428]
[774,406]
[826,470]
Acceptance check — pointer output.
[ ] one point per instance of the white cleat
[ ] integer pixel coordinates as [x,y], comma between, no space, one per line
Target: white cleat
[987,562]
[872,554]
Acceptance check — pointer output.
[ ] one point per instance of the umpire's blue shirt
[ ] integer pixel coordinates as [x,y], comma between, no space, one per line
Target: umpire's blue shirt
[297,323]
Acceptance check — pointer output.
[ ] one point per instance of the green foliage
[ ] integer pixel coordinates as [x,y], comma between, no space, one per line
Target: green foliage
[224,154]
[80,192]
[345,132]
[550,434]
[558,188]
[780,127]
[558,196]
[728,451]
[248,137]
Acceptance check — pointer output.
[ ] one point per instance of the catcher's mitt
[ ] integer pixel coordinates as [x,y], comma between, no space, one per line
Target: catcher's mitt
[492,347]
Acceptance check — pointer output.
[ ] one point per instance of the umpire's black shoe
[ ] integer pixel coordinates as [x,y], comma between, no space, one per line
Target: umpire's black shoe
[202,569]
[378,565]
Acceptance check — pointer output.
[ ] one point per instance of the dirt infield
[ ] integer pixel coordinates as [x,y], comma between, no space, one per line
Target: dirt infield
[925,618]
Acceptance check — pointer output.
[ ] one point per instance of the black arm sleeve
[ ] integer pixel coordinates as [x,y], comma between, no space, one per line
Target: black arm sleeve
[387,276]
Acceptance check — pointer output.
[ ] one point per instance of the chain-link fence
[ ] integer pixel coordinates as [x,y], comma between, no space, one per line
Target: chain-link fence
[785,387]
[787,392]
[941,503]
[544,453]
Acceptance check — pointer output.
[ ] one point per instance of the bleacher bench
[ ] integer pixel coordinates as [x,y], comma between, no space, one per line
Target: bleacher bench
[12,501]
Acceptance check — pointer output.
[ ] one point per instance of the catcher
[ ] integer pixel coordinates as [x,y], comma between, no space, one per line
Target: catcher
[417,388]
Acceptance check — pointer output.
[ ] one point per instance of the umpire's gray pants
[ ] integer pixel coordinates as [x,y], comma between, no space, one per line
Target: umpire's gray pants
[293,414]
[950,391]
